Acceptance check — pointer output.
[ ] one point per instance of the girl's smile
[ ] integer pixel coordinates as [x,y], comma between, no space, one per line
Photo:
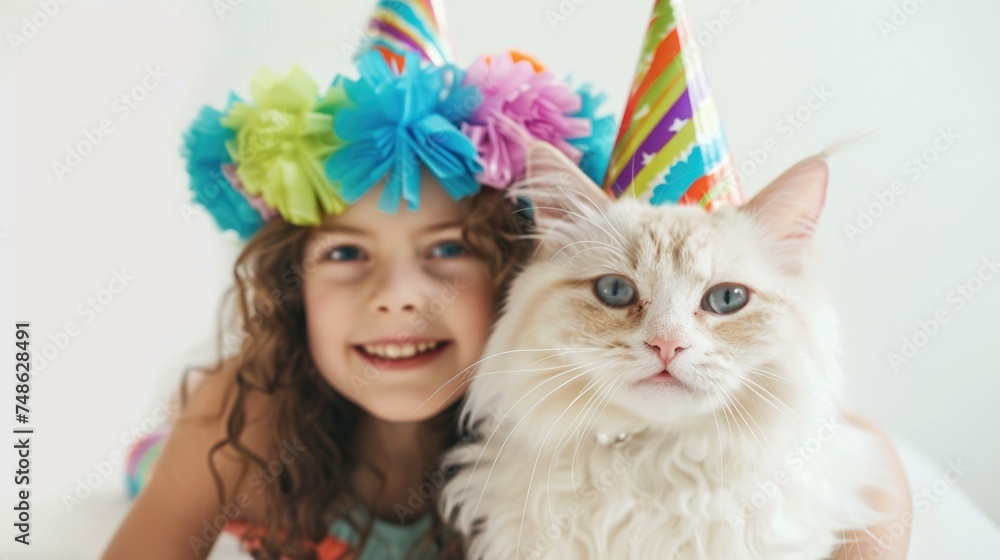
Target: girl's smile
[395,356]
[400,294]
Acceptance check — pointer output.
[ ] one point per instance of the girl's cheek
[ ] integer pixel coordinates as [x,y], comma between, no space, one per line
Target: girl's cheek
[469,282]
[478,301]
[325,294]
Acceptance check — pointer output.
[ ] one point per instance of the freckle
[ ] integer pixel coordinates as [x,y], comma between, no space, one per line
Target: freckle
[637,311]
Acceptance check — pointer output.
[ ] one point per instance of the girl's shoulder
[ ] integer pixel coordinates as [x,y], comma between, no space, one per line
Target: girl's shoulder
[176,512]
[212,397]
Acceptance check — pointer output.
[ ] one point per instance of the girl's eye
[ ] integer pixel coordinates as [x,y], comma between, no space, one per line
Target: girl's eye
[448,250]
[725,298]
[345,253]
[615,291]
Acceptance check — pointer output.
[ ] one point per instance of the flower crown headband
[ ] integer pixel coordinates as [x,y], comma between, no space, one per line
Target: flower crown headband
[298,154]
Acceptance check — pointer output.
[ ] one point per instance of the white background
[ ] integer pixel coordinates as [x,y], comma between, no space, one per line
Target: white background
[62,239]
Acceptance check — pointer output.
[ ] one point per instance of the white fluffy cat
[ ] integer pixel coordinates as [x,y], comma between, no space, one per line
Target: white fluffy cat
[662,384]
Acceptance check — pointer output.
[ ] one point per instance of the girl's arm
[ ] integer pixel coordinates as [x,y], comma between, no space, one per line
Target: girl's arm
[172,518]
[890,540]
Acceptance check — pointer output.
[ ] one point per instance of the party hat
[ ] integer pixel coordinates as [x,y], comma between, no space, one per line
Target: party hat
[670,147]
[399,27]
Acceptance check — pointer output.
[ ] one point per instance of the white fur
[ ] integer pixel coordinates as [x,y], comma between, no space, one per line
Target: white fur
[738,465]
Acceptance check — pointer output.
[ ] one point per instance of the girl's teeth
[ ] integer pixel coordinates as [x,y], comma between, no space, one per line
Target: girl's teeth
[398,351]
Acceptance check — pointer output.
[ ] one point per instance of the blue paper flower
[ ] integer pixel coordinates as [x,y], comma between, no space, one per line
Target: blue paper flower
[401,118]
[597,147]
[205,151]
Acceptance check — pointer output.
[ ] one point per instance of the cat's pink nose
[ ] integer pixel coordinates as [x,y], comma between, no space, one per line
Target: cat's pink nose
[667,349]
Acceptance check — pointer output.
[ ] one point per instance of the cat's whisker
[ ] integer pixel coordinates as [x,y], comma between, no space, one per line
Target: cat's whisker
[578,253]
[836,392]
[839,500]
[725,410]
[807,360]
[762,388]
[714,386]
[565,432]
[602,245]
[571,195]
[763,433]
[625,244]
[504,417]
[606,344]
[604,380]
[607,399]
[601,212]
[590,413]
[796,386]
[624,241]
[775,377]
[753,419]
[538,456]
[480,374]
[511,433]
[584,218]
[730,406]
[718,432]
[765,371]
[538,237]
[518,423]
[804,434]
[484,374]
[607,382]
[591,404]
[481,360]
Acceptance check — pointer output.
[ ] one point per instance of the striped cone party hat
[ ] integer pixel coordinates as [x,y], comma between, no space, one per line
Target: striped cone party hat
[399,27]
[671,148]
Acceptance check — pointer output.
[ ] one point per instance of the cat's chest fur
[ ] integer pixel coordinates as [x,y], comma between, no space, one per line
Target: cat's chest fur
[660,495]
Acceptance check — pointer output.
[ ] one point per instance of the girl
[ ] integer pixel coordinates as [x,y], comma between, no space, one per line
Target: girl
[377,314]
[359,321]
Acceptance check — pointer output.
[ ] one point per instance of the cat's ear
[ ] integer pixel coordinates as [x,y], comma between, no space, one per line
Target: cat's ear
[557,187]
[791,205]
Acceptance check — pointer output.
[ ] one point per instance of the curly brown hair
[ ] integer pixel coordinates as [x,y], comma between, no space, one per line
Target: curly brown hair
[273,358]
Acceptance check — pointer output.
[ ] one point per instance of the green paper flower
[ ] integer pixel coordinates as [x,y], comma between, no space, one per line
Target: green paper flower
[282,140]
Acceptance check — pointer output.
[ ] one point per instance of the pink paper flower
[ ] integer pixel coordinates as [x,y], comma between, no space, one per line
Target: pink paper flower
[519,105]
[257,202]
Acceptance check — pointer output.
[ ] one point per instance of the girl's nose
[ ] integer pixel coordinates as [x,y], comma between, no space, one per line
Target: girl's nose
[400,291]
[385,308]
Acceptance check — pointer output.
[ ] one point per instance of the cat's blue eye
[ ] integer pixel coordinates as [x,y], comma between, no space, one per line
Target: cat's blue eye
[615,291]
[725,298]
[345,253]
[448,250]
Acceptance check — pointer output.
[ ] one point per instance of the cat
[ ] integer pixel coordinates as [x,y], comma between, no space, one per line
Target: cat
[662,383]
